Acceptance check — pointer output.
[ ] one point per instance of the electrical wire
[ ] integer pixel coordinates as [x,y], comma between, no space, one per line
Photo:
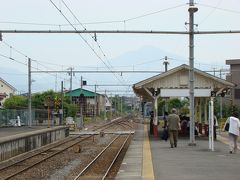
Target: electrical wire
[94,38]
[92,23]
[209,14]
[99,57]
[222,9]
[13,59]
[149,14]
[14,74]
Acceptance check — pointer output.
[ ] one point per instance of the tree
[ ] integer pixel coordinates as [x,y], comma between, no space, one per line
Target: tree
[15,102]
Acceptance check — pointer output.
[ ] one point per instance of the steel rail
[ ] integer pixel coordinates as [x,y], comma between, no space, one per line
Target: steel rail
[91,163]
[44,159]
[56,145]
[105,175]
[31,156]
[51,155]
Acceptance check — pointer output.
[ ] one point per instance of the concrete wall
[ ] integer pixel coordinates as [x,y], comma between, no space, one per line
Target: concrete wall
[17,144]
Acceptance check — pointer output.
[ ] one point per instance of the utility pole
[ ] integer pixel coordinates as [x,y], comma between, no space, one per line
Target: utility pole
[81,102]
[214,69]
[192,9]
[56,83]
[105,106]
[71,75]
[95,102]
[166,63]
[61,122]
[29,94]
[111,107]
[121,105]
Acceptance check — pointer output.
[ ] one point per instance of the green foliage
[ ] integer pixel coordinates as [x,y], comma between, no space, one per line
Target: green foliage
[181,105]
[21,102]
[15,102]
[70,110]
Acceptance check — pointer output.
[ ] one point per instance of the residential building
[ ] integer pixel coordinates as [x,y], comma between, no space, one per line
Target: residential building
[88,101]
[233,77]
[6,90]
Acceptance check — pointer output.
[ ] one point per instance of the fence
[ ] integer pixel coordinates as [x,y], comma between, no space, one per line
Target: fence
[8,117]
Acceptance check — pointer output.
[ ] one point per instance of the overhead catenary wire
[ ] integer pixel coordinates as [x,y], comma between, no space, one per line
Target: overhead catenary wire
[24,55]
[98,22]
[99,57]
[94,38]
[222,9]
[209,14]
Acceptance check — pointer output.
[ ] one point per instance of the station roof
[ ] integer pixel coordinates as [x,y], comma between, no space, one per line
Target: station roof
[178,78]
[77,92]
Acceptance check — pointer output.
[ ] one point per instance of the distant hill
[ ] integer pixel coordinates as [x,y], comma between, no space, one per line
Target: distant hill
[145,58]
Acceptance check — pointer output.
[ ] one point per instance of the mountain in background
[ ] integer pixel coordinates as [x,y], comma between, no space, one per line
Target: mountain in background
[146,58]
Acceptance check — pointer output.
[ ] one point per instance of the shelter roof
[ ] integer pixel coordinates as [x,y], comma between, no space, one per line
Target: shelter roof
[178,78]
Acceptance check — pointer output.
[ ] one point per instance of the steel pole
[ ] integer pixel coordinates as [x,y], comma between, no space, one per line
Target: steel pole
[29,94]
[191,11]
[62,103]
[95,103]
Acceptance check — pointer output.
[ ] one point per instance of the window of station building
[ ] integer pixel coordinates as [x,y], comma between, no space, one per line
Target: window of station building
[237,93]
[1,85]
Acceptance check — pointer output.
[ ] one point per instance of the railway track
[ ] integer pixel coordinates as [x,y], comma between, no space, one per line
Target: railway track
[29,161]
[101,165]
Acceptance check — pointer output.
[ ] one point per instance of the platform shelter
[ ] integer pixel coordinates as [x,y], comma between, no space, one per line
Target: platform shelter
[175,83]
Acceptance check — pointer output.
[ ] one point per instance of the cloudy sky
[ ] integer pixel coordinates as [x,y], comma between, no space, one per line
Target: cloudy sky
[111,51]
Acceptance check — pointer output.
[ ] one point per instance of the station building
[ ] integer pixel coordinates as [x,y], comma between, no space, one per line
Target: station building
[175,83]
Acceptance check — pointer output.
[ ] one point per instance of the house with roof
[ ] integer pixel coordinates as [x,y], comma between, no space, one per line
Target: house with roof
[233,77]
[89,100]
[6,90]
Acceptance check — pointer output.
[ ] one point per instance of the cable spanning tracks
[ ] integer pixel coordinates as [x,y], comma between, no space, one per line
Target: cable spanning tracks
[101,165]
[32,159]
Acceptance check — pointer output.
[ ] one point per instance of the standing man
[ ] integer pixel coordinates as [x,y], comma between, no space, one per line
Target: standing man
[173,121]
[232,125]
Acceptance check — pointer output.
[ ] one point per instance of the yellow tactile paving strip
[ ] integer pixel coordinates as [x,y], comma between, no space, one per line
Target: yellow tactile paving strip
[147,168]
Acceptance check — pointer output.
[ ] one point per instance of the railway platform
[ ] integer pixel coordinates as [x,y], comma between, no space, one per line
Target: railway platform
[18,140]
[152,158]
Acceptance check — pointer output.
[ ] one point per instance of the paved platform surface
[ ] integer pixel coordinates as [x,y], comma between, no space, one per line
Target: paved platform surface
[182,163]
[131,167]
[9,131]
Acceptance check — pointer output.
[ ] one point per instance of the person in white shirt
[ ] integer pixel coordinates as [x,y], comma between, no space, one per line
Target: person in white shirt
[234,125]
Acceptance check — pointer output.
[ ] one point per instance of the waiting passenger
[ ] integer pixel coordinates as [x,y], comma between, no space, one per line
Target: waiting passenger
[173,121]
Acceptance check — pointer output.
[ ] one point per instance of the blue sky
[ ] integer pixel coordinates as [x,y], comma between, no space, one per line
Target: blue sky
[60,51]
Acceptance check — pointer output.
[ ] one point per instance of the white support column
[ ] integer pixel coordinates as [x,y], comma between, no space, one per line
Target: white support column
[211,124]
